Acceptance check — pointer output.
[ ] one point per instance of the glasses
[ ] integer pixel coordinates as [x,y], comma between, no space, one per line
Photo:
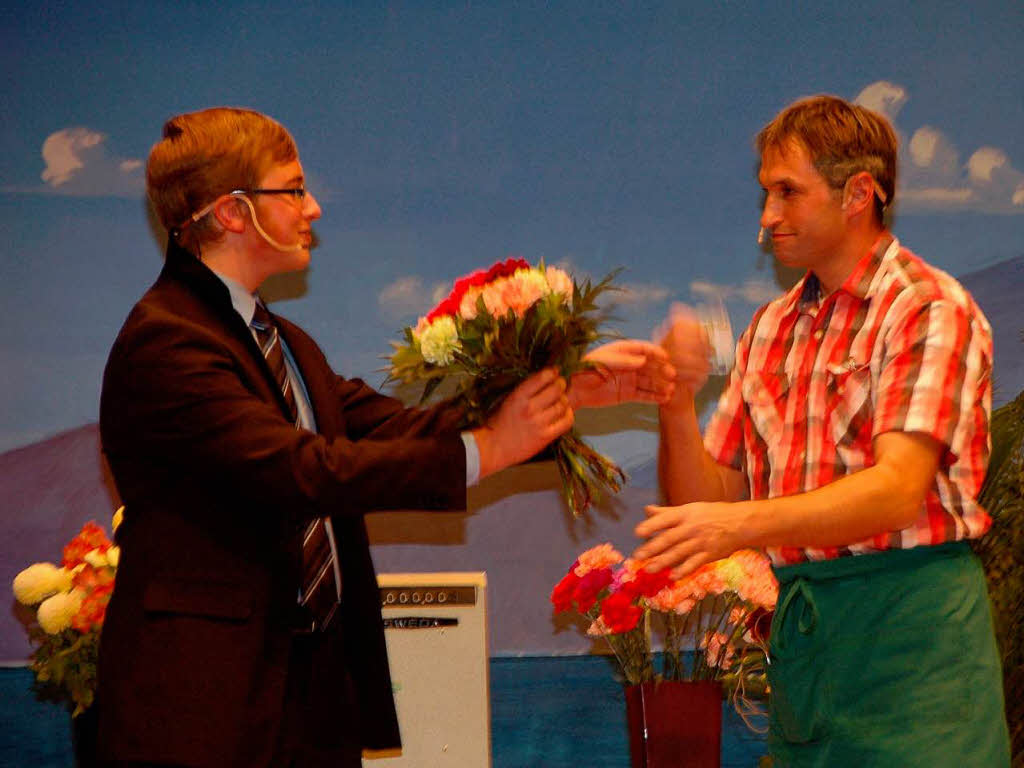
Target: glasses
[297,193]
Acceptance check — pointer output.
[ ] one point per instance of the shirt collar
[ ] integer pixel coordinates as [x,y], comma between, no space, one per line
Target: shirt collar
[243,301]
[806,294]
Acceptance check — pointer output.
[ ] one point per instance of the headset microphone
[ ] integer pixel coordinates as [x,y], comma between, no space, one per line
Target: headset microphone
[760,236]
[270,241]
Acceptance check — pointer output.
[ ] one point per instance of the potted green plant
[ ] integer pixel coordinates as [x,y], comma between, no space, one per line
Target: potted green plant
[1002,554]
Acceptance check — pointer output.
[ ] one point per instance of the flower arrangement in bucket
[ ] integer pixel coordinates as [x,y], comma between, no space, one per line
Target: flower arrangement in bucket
[714,623]
[70,603]
[495,328]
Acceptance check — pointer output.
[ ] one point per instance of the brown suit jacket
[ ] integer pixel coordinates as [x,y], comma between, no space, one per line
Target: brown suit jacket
[217,486]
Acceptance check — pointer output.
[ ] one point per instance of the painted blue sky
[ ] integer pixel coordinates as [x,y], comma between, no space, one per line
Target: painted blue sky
[442,136]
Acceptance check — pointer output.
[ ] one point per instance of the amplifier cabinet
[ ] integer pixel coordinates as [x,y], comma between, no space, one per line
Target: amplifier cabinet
[436,630]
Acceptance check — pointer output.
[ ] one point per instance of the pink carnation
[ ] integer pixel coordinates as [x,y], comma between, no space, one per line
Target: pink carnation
[560,282]
[719,650]
[601,556]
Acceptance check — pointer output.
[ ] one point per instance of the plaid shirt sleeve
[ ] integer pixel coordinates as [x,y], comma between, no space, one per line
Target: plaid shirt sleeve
[935,375]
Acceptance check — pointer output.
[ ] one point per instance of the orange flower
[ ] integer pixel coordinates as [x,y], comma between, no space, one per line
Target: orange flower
[89,538]
[93,610]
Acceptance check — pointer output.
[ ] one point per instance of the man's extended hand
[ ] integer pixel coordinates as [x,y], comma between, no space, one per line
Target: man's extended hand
[688,536]
[534,414]
[626,371]
[686,345]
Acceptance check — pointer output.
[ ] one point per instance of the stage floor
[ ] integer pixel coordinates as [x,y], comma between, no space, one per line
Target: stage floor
[546,712]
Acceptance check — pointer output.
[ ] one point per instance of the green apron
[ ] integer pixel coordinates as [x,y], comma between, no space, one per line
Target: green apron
[886,660]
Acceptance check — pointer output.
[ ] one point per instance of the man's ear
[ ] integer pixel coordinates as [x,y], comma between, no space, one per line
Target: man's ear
[858,193]
[231,214]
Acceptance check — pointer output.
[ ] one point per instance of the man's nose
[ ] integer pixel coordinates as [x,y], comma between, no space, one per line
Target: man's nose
[770,213]
[311,208]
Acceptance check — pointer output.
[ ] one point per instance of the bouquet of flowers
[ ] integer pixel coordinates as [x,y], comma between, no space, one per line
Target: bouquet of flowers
[495,328]
[71,603]
[721,612]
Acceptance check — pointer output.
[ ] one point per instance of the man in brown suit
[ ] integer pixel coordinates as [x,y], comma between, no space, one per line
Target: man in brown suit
[207,658]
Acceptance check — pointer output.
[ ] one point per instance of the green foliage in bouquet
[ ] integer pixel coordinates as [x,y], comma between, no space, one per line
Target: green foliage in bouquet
[65,666]
[1002,553]
[496,328]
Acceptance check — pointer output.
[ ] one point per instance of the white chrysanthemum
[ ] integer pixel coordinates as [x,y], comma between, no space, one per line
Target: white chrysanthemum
[56,612]
[39,581]
[117,519]
[439,341]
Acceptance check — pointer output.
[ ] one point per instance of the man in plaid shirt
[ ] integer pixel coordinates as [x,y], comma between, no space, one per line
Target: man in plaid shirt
[850,443]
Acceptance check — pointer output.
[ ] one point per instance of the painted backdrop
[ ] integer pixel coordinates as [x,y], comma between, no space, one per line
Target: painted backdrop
[439,137]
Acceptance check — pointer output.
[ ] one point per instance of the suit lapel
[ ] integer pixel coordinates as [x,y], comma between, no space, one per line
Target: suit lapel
[183,266]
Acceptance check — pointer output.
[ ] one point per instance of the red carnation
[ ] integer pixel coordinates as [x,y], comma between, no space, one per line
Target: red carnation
[504,269]
[450,305]
[590,586]
[619,613]
[649,584]
[561,595]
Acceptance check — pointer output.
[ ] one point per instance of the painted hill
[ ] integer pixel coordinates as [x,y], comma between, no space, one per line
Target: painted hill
[999,290]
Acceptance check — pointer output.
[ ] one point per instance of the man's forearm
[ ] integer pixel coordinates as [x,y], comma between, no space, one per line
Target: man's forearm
[884,497]
[686,471]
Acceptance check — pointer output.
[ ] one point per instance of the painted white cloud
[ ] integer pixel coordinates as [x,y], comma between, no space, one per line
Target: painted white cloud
[408,296]
[753,291]
[932,175]
[883,96]
[77,162]
[639,294]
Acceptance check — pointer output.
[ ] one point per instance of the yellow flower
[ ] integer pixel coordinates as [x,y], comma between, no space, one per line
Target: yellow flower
[56,612]
[95,558]
[118,517]
[113,556]
[38,582]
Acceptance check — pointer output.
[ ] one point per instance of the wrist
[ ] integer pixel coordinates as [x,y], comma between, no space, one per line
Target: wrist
[682,401]
[485,445]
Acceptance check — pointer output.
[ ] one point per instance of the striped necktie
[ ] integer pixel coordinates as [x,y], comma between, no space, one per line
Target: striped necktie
[270,344]
[321,585]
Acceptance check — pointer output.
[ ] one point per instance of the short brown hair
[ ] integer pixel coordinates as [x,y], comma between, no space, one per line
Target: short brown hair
[841,138]
[206,154]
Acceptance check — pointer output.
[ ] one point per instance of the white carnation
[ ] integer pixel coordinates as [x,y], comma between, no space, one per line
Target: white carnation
[39,581]
[56,612]
[439,341]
